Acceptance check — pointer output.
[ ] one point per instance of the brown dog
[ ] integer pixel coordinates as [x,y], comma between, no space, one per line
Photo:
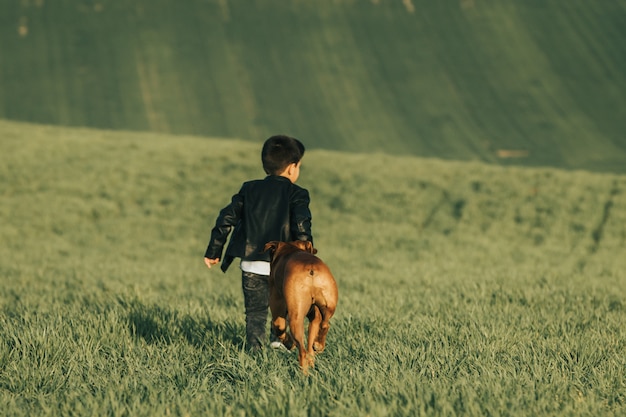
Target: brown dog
[301,285]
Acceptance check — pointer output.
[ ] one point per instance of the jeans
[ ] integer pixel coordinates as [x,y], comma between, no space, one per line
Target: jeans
[256,294]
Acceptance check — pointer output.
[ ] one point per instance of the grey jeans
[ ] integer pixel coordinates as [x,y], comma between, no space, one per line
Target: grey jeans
[256,294]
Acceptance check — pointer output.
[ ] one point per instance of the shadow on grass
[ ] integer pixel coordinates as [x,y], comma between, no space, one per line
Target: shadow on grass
[158,324]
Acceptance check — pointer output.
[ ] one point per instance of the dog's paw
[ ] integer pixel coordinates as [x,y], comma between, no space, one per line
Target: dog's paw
[289,344]
[318,347]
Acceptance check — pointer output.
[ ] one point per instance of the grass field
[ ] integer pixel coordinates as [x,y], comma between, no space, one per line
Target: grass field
[465,289]
[454,79]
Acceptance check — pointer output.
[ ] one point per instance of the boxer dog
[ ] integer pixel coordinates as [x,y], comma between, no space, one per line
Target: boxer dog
[301,285]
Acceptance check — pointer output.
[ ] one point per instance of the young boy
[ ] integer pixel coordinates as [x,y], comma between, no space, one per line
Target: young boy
[273,208]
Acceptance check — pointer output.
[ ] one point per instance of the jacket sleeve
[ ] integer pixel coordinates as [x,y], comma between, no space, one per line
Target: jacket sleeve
[226,220]
[300,216]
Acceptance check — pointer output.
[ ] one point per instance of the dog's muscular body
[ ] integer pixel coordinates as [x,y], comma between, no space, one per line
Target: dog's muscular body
[301,285]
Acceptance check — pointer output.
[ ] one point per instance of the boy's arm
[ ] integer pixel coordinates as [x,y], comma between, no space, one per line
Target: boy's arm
[301,216]
[228,217]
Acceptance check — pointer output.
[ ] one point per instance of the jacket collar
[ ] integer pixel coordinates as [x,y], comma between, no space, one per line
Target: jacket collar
[277,178]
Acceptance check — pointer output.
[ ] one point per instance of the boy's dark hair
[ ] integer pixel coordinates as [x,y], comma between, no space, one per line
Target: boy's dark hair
[280,151]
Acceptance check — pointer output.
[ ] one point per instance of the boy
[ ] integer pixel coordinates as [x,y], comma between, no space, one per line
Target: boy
[273,208]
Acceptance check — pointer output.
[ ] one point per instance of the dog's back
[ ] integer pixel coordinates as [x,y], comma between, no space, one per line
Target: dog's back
[305,276]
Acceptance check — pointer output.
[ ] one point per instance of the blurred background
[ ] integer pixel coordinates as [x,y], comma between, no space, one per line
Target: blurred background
[533,82]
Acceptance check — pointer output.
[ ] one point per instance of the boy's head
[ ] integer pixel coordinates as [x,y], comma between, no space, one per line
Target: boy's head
[279,152]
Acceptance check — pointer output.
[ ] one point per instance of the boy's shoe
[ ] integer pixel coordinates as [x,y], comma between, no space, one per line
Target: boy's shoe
[276,345]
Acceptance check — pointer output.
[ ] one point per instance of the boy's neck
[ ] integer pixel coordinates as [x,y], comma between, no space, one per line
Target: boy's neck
[291,172]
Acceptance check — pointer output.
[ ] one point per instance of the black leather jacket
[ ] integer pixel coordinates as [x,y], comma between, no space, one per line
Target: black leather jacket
[262,211]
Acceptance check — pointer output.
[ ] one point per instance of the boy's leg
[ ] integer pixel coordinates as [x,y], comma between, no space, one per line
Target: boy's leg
[256,299]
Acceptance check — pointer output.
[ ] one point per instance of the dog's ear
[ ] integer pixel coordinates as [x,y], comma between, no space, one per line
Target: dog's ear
[271,246]
[309,247]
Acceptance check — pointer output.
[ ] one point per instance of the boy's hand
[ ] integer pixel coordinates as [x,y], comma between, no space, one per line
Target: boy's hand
[211,262]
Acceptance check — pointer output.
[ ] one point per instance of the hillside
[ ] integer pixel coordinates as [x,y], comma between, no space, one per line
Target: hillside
[99,192]
[538,83]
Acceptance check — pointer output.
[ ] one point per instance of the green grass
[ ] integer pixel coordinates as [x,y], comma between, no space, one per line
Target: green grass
[454,79]
[465,289]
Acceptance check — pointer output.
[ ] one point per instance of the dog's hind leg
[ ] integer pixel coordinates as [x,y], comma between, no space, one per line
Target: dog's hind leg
[320,341]
[315,319]
[298,301]
[279,328]
[296,327]
[279,322]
